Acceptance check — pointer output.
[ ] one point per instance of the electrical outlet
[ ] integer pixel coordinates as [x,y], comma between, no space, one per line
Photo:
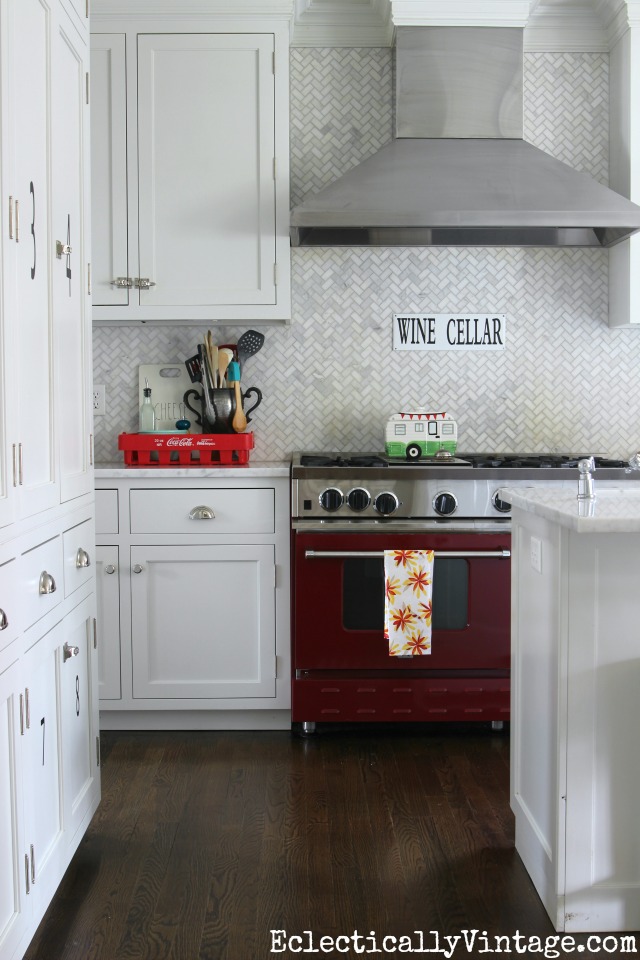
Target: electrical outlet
[536,554]
[99,400]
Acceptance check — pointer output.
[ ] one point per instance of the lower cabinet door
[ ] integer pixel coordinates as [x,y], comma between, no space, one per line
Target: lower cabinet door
[108,599]
[14,900]
[79,717]
[203,621]
[44,824]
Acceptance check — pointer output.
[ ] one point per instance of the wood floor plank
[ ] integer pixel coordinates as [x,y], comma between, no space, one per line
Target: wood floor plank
[206,841]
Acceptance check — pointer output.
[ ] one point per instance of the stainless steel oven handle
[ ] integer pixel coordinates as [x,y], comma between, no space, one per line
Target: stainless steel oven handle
[357,554]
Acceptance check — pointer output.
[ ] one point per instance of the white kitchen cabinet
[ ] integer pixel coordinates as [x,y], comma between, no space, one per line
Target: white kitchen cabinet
[203,621]
[14,907]
[203,605]
[78,717]
[71,279]
[28,253]
[190,177]
[44,839]
[108,604]
[575,775]
[47,797]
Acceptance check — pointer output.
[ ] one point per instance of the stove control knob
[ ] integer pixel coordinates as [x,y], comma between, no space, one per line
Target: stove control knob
[445,504]
[502,505]
[386,503]
[358,499]
[331,499]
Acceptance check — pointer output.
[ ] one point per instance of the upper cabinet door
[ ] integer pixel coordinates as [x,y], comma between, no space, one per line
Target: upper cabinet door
[206,178]
[71,303]
[31,30]
[205,136]
[109,242]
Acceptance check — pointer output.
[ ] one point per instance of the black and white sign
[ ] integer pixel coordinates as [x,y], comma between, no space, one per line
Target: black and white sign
[445,331]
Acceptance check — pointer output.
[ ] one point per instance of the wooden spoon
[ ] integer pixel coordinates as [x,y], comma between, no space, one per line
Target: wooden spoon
[239,422]
[225,356]
[213,358]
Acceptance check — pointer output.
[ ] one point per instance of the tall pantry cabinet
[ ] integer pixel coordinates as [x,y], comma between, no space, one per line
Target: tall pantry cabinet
[49,746]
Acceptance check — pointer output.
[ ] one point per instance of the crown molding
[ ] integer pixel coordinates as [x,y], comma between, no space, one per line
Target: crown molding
[486,13]
[342,23]
[549,25]
[190,9]
[568,26]
[618,16]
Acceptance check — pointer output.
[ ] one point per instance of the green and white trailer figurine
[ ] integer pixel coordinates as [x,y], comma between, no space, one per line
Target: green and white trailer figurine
[420,433]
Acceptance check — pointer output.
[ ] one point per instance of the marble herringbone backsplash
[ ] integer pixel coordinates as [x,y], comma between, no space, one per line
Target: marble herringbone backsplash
[330,379]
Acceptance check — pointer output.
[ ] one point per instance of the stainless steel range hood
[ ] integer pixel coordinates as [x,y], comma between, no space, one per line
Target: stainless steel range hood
[458,172]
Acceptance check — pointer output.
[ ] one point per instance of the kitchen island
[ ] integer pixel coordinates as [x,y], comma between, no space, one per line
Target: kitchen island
[575,761]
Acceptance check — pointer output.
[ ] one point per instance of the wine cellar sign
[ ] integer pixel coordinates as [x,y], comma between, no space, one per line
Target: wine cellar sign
[445,331]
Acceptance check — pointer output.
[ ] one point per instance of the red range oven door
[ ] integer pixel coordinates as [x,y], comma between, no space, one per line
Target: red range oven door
[339,602]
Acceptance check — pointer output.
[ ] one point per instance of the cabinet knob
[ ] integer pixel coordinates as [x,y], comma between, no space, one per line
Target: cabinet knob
[47,584]
[138,568]
[82,559]
[110,568]
[4,620]
[69,651]
[202,513]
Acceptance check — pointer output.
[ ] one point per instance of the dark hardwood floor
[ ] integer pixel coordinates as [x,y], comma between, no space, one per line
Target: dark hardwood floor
[204,842]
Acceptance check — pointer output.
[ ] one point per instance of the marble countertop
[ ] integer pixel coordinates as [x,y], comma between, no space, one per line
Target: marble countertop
[614,510]
[259,468]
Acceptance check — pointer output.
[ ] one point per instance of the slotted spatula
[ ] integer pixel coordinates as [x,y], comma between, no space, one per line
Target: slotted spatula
[249,343]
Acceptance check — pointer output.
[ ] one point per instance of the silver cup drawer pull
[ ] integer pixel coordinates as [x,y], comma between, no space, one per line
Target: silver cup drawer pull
[69,651]
[110,568]
[47,584]
[82,559]
[4,620]
[138,568]
[202,513]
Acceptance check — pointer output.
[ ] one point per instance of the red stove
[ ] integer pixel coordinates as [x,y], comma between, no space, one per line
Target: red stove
[347,509]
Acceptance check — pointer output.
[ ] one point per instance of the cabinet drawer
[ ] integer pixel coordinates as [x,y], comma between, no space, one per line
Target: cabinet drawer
[106,511]
[78,547]
[42,579]
[9,624]
[176,511]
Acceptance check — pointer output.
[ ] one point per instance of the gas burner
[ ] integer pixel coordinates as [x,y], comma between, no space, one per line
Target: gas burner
[339,460]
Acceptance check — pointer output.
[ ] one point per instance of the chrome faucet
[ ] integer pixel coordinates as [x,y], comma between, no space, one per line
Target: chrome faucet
[586,470]
[634,463]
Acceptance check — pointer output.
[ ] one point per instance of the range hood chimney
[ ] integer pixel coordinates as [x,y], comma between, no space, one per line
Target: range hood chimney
[458,172]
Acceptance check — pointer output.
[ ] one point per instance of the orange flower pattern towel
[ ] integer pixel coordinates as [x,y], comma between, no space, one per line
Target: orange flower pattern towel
[408,582]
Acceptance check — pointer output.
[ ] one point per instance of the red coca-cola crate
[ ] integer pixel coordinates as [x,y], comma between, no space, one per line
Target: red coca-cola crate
[185,449]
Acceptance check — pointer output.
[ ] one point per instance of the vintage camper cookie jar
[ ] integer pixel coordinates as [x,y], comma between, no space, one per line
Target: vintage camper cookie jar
[416,433]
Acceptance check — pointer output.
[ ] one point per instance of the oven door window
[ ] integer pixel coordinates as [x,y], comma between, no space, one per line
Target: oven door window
[363,594]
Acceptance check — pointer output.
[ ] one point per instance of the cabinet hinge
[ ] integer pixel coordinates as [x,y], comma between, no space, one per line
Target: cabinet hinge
[275,274]
[275,668]
[90,449]
[98,751]
[88,279]
[273,63]
[87,85]
[95,634]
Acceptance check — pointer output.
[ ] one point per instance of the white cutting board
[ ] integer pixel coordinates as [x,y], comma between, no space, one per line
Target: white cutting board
[168,382]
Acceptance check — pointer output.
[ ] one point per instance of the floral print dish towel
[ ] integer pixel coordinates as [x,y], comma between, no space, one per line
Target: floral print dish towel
[408,582]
